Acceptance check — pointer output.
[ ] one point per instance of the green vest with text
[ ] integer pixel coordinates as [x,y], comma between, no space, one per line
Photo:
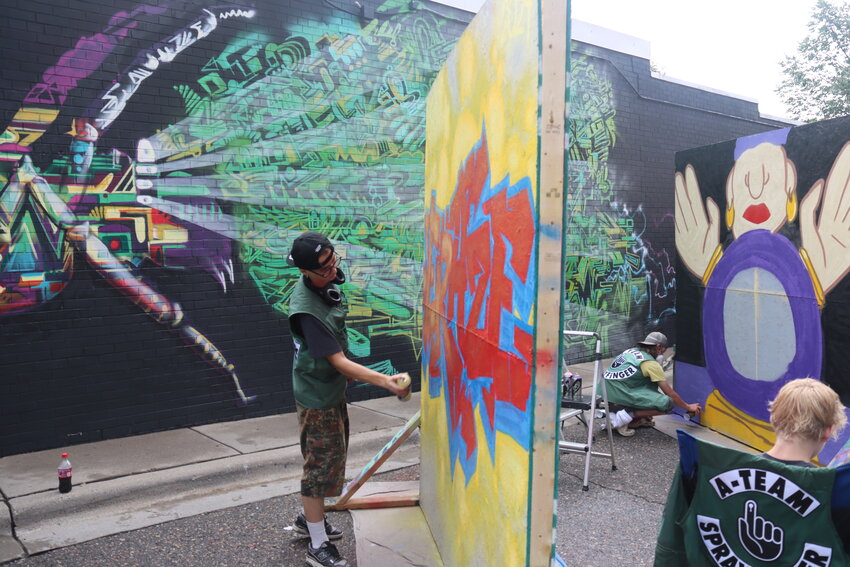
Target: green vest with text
[316,384]
[626,367]
[727,508]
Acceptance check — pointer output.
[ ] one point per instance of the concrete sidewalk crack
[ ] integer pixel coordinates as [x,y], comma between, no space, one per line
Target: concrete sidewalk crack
[590,482]
[13,527]
[410,561]
[219,441]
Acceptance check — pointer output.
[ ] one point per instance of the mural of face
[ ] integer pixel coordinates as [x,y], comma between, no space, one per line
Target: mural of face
[759,189]
[765,317]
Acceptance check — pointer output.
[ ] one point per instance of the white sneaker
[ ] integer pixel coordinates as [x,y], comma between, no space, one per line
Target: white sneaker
[620,419]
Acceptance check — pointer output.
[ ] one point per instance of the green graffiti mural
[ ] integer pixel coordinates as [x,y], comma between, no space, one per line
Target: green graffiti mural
[612,273]
[323,132]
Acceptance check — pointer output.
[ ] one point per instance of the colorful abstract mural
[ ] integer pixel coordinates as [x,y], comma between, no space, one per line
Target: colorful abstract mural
[185,137]
[762,232]
[105,214]
[489,387]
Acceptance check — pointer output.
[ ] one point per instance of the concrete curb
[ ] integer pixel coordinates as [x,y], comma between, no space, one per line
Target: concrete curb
[48,520]
[9,547]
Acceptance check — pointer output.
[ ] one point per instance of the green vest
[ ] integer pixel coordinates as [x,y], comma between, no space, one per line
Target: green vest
[316,384]
[627,385]
[626,367]
[736,509]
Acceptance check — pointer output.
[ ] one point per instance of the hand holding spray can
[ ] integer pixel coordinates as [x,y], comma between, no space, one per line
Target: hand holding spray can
[404,382]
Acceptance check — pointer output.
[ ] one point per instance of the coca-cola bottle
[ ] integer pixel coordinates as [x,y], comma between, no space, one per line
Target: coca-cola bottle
[64,474]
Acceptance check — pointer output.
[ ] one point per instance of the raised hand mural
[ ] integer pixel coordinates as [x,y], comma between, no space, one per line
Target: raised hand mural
[775,282]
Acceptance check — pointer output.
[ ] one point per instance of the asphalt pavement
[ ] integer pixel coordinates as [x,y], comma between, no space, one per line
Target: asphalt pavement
[226,494]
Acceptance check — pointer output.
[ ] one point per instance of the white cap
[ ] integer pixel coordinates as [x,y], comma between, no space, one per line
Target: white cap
[654,338]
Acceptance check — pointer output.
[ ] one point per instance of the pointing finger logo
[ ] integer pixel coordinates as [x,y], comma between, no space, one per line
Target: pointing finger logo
[758,535]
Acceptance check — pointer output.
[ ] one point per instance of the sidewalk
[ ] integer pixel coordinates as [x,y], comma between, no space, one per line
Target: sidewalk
[134,482]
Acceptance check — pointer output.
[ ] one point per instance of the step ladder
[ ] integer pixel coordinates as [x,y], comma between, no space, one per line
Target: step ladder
[579,406]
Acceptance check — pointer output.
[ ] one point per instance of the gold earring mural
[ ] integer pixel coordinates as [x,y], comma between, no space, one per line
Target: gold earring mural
[791,206]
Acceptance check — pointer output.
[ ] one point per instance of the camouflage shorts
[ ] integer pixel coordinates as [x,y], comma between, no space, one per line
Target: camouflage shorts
[324,444]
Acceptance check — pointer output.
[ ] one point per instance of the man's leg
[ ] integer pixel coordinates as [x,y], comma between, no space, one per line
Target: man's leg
[324,443]
[620,420]
[314,513]
[657,404]
[314,508]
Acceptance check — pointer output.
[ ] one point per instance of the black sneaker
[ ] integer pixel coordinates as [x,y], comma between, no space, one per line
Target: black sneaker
[300,527]
[326,556]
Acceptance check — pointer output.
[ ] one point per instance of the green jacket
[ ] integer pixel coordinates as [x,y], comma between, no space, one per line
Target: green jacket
[316,384]
[732,509]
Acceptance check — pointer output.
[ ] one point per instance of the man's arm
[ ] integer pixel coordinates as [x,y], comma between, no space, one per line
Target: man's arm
[324,344]
[668,390]
[357,371]
[318,338]
[652,370]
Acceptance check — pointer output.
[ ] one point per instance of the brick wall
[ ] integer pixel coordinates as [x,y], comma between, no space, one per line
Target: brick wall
[246,128]
[299,116]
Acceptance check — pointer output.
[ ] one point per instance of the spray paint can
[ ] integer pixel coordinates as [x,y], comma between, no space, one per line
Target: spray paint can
[404,382]
[575,387]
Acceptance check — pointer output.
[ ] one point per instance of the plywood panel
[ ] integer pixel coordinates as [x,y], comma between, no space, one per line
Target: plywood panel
[764,295]
[492,287]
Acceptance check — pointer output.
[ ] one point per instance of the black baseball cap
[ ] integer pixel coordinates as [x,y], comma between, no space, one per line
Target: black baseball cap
[306,250]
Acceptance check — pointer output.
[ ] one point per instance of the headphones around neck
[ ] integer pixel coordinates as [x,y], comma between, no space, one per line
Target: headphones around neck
[329,294]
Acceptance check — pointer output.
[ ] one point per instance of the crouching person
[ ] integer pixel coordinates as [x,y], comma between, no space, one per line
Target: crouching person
[634,379]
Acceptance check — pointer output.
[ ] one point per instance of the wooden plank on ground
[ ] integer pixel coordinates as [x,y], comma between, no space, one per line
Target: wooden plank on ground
[376,494]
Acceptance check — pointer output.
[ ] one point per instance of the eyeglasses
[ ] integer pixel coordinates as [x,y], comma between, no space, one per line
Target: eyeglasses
[333,261]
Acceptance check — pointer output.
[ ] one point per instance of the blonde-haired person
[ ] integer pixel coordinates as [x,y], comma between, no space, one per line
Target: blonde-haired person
[805,415]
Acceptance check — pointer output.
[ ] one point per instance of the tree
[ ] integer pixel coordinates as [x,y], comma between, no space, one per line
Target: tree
[817,79]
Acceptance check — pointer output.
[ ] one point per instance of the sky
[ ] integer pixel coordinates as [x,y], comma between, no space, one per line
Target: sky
[733,46]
